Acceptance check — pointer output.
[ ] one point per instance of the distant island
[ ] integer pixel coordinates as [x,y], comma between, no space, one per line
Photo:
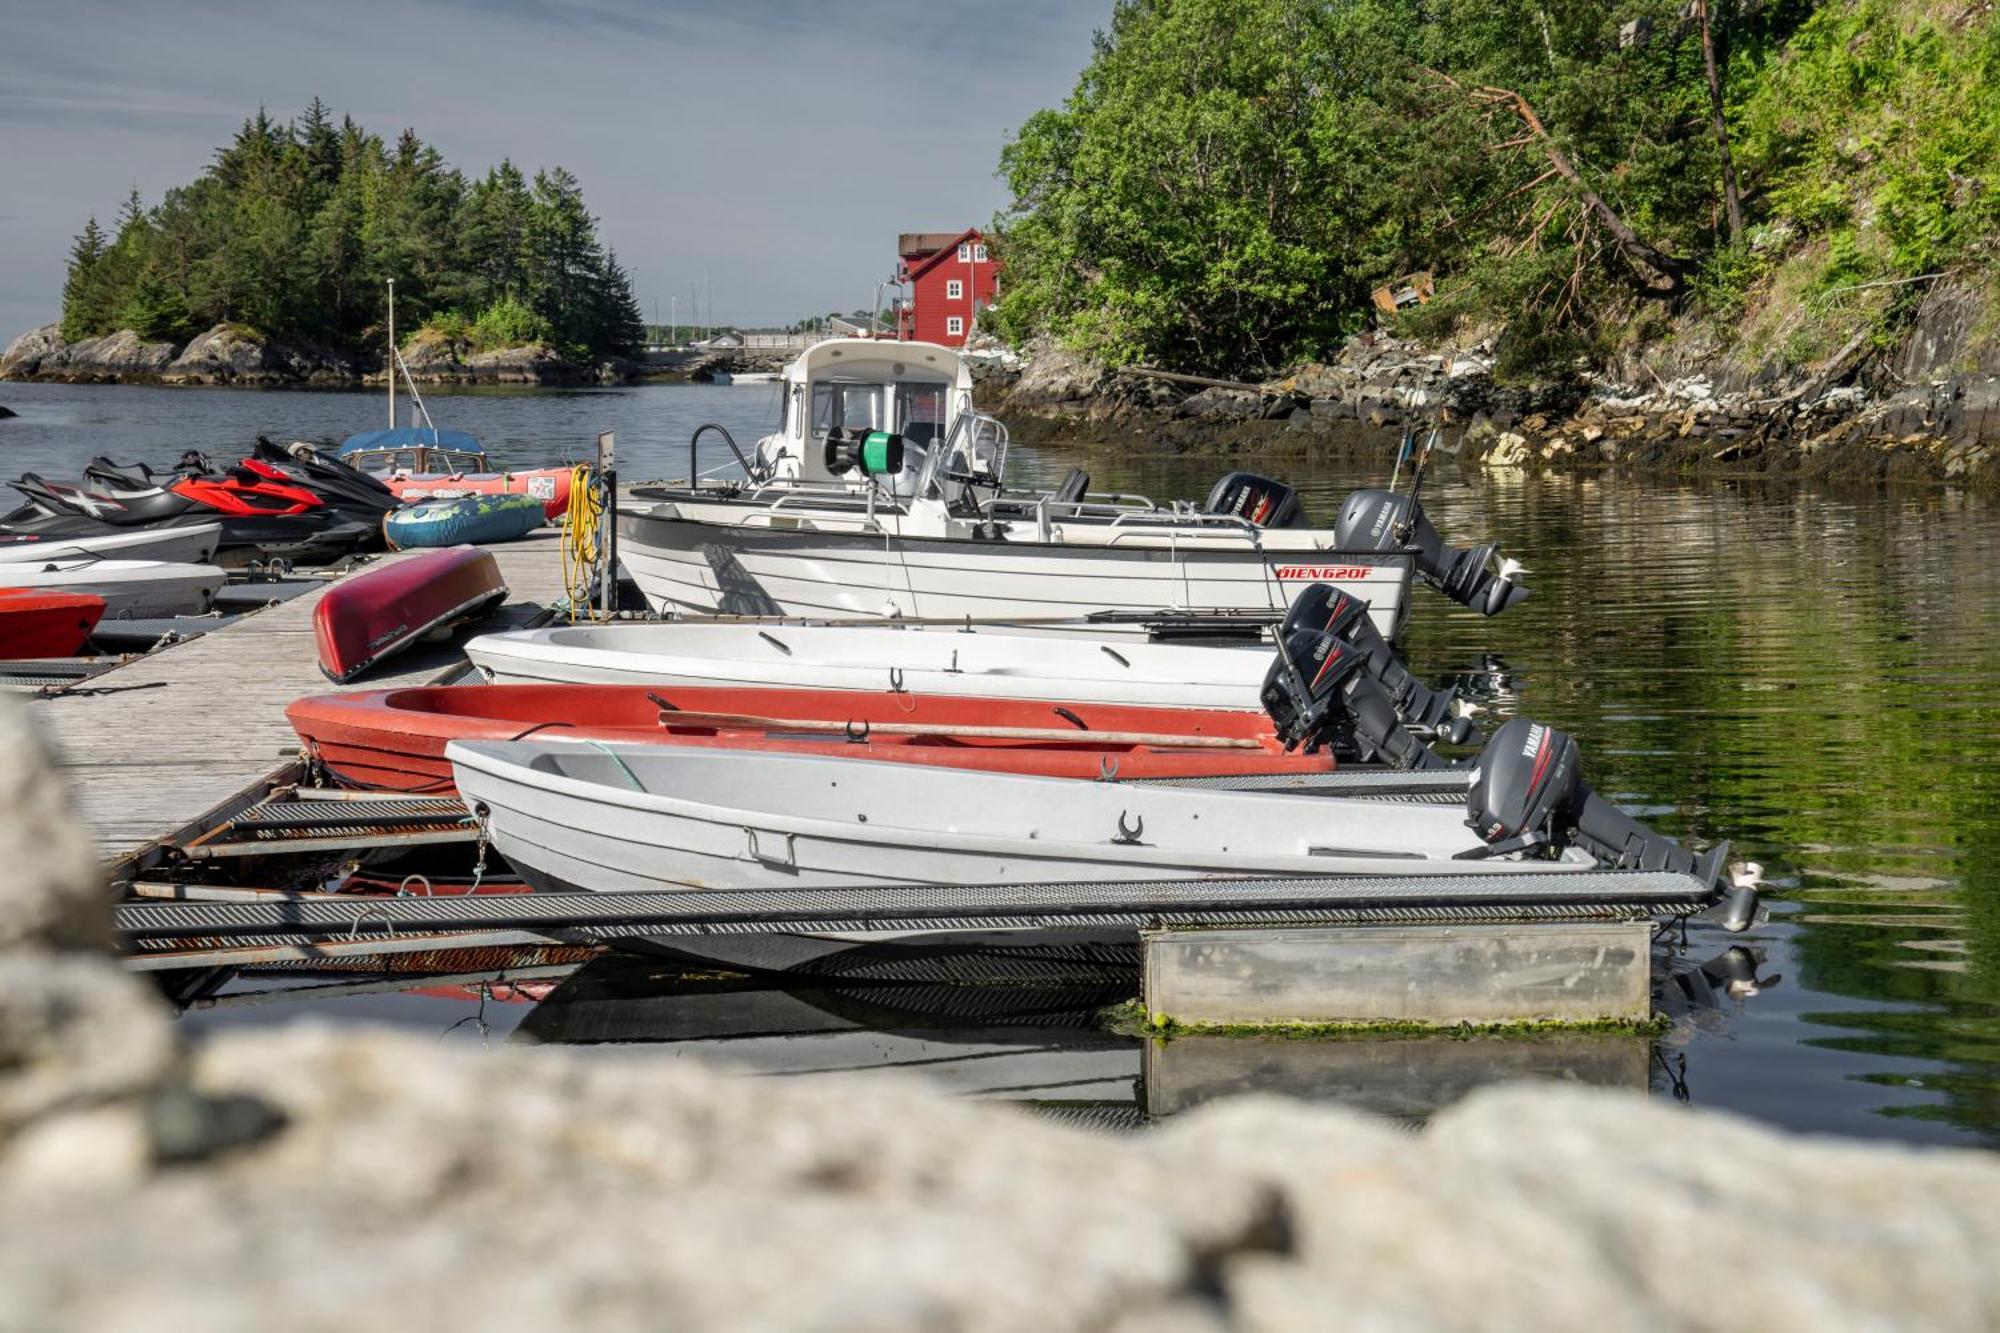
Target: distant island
[273,266]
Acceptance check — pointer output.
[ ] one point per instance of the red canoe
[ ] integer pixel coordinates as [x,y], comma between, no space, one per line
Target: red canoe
[367,617]
[395,739]
[46,624]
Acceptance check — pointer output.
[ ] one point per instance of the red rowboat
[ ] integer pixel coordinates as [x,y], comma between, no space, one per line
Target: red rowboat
[46,624]
[367,617]
[395,739]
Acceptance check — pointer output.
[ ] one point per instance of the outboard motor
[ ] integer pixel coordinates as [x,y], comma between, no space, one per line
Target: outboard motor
[1319,693]
[1325,609]
[1530,793]
[1256,500]
[1385,521]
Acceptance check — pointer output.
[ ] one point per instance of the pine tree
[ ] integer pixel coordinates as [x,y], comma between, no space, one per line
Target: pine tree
[85,312]
[621,325]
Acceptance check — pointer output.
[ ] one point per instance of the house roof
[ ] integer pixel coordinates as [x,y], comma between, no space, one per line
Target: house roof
[936,257]
[920,244]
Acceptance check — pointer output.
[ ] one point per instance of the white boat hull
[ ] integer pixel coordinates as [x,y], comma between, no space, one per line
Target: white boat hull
[990,663]
[744,568]
[131,589]
[193,545]
[612,819]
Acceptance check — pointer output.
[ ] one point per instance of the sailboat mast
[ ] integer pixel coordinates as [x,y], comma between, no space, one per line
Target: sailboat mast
[391,363]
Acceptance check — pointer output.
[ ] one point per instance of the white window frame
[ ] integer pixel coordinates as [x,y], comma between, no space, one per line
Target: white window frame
[954,290]
[978,254]
[954,326]
[965,254]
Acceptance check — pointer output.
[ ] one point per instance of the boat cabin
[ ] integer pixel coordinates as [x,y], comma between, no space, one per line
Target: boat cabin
[847,389]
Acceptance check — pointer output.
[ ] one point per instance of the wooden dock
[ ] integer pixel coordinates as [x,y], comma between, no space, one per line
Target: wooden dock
[152,747]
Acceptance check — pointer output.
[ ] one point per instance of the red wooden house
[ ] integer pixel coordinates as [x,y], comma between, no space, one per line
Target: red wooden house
[951,278]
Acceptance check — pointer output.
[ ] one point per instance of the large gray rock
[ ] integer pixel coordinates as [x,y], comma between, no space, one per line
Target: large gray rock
[77,1034]
[33,352]
[226,354]
[123,355]
[519,365]
[567,1189]
[1057,380]
[52,893]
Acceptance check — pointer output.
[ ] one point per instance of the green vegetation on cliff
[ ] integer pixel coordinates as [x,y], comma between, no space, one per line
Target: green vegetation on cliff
[1231,178]
[295,229]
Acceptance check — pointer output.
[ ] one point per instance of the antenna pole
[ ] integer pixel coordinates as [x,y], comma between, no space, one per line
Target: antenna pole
[390,360]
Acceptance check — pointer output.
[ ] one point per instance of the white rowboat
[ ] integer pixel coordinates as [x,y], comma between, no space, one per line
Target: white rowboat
[612,818]
[991,662]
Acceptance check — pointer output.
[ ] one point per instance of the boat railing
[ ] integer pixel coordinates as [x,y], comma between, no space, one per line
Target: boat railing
[1169,521]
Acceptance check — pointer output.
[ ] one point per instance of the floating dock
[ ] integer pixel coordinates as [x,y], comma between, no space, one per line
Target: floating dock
[169,742]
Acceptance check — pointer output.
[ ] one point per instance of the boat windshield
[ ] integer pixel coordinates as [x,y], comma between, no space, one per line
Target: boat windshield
[847,406]
[920,412]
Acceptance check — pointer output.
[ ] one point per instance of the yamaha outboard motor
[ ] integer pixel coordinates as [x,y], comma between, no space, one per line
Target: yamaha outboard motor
[1325,609]
[1385,521]
[1256,500]
[1319,693]
[1530,793]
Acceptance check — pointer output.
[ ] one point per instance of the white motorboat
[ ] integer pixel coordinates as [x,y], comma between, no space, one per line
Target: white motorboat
[995,662]
[131,589]
[195,545]
[883,493]
[617,818]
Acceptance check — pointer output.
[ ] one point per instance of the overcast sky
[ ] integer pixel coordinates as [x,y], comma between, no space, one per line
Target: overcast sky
[778,145]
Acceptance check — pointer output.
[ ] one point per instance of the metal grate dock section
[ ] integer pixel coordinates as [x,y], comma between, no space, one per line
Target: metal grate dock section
[579,917]
[288,823]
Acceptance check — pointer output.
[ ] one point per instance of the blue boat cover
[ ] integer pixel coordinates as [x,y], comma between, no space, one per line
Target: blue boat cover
[478,519]
[405,437]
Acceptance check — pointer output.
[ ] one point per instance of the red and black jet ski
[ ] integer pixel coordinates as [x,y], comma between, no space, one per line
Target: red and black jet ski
[261,516]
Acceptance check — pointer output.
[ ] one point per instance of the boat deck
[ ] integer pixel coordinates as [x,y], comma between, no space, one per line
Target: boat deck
[152,747]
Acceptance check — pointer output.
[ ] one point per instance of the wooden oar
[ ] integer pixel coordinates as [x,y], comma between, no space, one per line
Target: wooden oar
[861,730]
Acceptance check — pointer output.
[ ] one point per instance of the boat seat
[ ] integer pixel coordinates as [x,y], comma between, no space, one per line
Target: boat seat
[1072,488]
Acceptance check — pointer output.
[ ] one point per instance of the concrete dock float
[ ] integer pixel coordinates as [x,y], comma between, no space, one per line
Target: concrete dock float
[1547,971]
[152,747]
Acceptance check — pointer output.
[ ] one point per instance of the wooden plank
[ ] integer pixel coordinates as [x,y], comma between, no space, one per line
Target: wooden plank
[157,743]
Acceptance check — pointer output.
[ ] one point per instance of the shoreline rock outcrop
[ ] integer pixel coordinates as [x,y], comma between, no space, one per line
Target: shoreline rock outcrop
[319,1178]
[1930,412]
[230,354]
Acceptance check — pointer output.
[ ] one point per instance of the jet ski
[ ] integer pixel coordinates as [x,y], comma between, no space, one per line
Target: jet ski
[265,508]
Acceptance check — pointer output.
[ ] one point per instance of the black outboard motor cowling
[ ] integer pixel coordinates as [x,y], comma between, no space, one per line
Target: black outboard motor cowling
[1256,500]
[1385,521]
[1530,793]
[1319,693]
[1326,609]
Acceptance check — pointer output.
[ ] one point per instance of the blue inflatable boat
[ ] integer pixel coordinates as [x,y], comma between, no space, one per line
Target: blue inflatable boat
[470,519]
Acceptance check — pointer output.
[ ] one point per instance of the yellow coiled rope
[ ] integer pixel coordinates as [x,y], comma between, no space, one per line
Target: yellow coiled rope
[583,542]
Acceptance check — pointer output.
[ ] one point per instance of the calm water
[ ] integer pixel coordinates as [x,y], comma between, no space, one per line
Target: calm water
[1813,674]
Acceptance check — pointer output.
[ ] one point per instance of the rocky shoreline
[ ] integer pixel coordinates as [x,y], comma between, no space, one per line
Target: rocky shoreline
[1928,412]
[229,354]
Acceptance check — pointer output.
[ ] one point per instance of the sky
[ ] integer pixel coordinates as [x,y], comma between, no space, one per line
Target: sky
[775,146]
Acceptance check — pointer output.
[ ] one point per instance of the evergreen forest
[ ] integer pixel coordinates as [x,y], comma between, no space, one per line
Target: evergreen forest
[295,230]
